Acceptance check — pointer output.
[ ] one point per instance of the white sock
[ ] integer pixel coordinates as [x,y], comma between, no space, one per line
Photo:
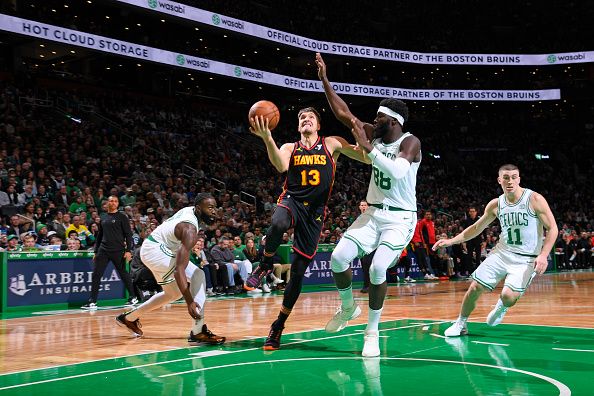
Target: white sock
[198,292]
[462,319]
[156,301]
[499,304]
[197,327]
[374,319]
[346,296]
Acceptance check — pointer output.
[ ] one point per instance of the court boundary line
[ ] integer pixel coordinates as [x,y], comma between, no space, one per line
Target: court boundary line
[563,389]
[509,323]
[256,337]
[488,343]
[175,360]
[573,350]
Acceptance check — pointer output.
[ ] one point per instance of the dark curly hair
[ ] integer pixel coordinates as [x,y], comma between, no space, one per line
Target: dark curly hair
[397,105]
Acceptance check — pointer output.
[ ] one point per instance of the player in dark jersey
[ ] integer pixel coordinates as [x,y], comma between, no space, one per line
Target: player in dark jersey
[310,166]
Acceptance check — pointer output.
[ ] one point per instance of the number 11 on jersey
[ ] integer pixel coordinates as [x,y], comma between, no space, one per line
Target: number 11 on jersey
[510,239]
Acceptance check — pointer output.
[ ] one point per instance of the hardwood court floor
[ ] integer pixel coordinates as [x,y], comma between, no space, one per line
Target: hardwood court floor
[545,346]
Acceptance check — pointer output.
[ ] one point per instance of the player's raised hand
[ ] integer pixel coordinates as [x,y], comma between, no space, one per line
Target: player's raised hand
[321,66]
[259,127]
[359,134]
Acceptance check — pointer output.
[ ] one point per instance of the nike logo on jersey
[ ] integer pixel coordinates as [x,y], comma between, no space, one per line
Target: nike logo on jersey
[318,147]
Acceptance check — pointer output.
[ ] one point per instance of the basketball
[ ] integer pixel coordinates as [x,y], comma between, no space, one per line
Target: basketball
[266,109]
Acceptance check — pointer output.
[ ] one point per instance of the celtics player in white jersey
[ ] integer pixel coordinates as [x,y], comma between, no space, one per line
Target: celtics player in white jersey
[389,223]
[166,252]
[520,254]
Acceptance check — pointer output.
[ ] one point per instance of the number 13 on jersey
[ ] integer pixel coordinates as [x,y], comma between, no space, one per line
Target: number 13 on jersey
[311,178]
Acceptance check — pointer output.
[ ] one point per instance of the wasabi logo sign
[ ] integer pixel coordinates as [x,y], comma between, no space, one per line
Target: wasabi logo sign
[575,57]
[196,63]
[247,73]
[175,7]
[232,23]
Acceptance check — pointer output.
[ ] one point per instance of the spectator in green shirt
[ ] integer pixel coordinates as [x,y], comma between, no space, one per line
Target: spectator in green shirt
[71,186]
[239,256]
[129,199]
[78,205]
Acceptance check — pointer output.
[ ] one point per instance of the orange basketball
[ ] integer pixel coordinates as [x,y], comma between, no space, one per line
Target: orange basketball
[266,109]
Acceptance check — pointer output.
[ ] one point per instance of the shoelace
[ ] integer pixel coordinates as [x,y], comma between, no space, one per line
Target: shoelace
[343,314]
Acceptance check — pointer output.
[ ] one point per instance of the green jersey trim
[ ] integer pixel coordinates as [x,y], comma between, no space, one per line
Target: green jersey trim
[530,211]
[518,202]
[362,251]
[483,283]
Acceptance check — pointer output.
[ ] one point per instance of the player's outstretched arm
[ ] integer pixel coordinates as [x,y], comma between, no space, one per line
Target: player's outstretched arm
[188,235]
[473,230]
[339,145]
[543,211]
[278,157]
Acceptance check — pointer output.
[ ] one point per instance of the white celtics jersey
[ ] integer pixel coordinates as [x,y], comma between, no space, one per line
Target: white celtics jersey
[165,233]
[400,193]
[521,229]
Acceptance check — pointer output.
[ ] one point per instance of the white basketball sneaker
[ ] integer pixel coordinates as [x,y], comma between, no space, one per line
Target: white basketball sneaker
[275,280]
[341,318]
[456,329]
[496,315]
[371,345]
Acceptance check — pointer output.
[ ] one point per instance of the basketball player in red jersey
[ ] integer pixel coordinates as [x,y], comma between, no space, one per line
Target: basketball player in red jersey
[310,164]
